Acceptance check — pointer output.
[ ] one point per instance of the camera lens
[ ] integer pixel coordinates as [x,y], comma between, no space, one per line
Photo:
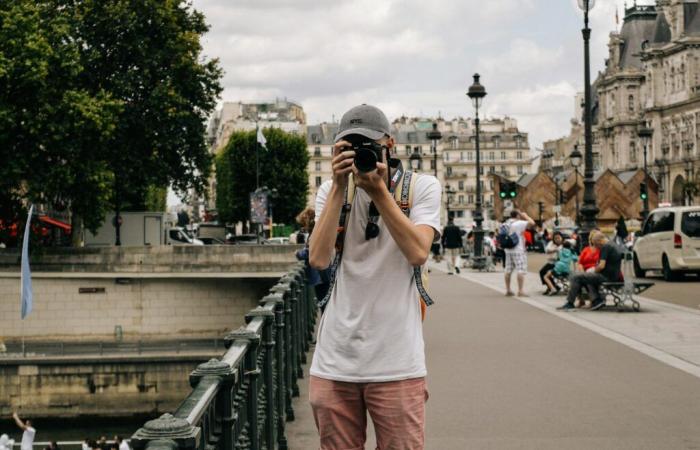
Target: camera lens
[365,160]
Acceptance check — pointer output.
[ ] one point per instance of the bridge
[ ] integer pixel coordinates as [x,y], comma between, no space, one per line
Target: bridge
[504,373]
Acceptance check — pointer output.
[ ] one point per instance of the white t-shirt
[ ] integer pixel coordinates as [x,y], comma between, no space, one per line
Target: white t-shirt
[123,446]
[28,438]
[371,330]
[518,227]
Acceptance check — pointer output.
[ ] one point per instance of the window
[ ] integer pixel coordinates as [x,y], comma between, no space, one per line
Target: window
[461,156]
[432,164]
[491,184]
[492,156]
[455,142]
[503,156]
[690,224]
[317,152]
[449,170]
[408,150]
[520,170]
[458,213]
[318,166]
[461,199]
[630,103]
[470,199]
[519,155]
[633,152]
[419,149]
[461,185]
[470,156]
[318,181]
[663,221]
[481,170]
[497,141]
[492,169]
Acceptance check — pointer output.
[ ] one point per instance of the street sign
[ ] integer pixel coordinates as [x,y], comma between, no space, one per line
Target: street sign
[557,209]
[258,207]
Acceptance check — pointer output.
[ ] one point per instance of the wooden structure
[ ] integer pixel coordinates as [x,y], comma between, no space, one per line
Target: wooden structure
[617,194]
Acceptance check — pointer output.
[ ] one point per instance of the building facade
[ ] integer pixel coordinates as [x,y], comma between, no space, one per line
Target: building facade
[652,77]
[504,150]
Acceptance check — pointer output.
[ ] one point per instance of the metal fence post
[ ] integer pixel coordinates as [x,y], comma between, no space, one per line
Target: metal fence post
[250,376]
[225,414]
[166,433]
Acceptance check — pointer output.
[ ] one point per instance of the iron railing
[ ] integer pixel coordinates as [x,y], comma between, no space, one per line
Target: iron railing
[243,400]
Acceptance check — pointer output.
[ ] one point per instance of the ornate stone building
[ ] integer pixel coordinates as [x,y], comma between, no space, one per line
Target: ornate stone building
[504,150]
[652,76]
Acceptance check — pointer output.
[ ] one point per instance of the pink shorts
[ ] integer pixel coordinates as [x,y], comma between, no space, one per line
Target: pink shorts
[397,409]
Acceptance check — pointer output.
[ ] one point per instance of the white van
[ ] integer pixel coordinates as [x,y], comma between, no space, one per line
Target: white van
[669,241]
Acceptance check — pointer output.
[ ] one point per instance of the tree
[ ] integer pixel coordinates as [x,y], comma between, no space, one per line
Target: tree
[283,166]
[49,122]
[147,54]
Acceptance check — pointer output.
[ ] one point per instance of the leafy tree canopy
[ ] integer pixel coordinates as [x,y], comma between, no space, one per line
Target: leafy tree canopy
[283,166]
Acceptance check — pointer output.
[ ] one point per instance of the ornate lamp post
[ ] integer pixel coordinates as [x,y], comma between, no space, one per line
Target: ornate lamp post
[576,159]
[434,137]
[645,133]
[476,93]
[589,211]
[416,160]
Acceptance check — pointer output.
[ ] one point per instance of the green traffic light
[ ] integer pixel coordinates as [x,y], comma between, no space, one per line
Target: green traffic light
[643,196]
[513,194]
[502,194]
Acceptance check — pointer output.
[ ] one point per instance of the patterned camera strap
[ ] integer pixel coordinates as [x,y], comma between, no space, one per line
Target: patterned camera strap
[340,240]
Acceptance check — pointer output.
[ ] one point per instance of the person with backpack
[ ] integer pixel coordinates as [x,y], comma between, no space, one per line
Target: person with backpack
[374,228]
[511,238]
[452,243]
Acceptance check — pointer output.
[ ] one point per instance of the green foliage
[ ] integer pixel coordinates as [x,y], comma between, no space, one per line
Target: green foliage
[99,101]
[156,199]
[283,166]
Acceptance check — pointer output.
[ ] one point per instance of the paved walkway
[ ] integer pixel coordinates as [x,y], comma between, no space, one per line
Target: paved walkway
[506,375]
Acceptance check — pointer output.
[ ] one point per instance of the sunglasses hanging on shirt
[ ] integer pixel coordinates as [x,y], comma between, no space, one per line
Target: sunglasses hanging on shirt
[372,228]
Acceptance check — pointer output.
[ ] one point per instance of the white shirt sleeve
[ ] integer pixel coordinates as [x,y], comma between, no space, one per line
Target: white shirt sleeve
[321,197]
[426,203]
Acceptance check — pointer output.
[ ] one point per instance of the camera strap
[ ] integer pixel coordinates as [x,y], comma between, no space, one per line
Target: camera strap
[402,189]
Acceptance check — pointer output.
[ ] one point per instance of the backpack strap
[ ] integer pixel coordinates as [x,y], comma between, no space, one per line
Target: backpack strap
[405,195]
[340,239]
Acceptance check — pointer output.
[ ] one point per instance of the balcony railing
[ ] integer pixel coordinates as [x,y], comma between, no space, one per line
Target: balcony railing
[244,399]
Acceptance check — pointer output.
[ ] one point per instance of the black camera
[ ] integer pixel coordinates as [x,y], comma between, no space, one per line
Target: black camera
[367,152]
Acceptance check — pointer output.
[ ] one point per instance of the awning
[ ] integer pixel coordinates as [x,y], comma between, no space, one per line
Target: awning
[56,223]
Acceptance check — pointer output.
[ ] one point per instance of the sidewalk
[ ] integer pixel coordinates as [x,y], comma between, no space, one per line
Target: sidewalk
[666,332]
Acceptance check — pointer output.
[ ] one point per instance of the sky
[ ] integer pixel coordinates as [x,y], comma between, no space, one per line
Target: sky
[410,57]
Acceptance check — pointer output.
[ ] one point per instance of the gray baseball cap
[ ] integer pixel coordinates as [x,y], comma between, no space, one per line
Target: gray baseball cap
[367,120]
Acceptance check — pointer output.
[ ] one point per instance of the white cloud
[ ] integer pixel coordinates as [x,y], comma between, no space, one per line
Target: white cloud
[408,56]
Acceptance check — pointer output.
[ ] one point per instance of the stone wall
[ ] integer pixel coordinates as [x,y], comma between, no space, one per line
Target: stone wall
[145,308]
[273,260]
[74,389]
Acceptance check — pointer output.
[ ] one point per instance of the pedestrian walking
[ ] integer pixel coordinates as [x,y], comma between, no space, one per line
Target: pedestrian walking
[511,238]
[452,242]
[29,432]
[369,351]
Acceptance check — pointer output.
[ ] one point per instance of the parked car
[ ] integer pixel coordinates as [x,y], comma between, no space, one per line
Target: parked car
[669,241]
[242,239]
[211,241]
[180,236]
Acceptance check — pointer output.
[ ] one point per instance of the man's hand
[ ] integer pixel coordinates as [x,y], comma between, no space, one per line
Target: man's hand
[342,164]
[373,182]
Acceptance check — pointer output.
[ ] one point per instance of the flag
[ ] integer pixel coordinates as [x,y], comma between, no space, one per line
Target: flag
[26,276]
[261,139]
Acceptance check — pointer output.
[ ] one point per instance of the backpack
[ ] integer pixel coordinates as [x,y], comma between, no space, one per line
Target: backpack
[506,239]
[403,194]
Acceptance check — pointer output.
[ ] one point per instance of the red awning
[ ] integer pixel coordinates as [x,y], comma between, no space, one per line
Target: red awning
[56,223]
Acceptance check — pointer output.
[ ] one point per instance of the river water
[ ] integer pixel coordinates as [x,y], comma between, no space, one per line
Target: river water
[74,430]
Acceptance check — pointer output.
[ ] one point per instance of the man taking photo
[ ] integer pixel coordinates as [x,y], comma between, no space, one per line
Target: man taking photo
[369,352]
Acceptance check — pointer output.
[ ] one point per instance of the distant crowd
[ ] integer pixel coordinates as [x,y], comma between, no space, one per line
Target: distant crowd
[29,433]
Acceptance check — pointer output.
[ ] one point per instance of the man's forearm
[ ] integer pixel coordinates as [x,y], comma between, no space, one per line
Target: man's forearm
[322,240]
[407,235]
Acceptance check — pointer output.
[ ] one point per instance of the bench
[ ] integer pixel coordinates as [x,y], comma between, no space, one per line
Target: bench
[623,292]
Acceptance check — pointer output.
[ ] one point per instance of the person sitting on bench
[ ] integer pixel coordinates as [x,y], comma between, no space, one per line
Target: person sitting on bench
[607,269]
[562,268]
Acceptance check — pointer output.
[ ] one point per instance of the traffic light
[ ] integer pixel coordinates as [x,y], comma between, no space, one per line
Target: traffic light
[508,190]
[513,189]
[503,190]
[643,194]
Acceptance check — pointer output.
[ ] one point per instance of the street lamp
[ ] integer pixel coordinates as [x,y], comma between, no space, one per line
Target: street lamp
[476,93]
[645,133]
[415,160]
[434,137]
[576,159]
[589,211]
